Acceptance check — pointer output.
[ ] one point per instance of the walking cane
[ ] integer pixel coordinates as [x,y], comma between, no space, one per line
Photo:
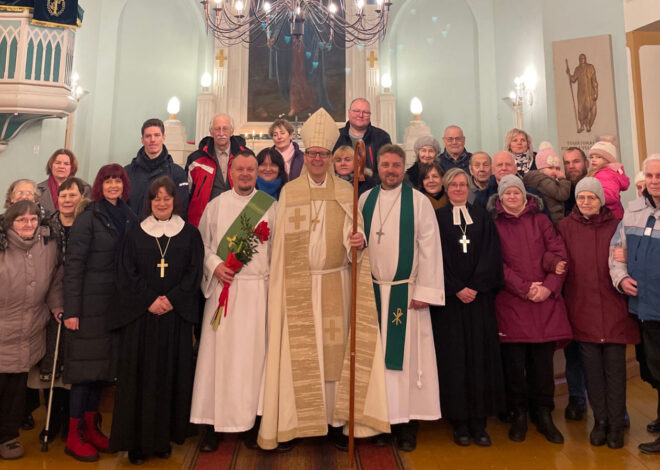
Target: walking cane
[570,85]
[44,444]
[359,159]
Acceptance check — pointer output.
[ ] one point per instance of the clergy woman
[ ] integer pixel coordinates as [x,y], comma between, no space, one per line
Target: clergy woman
[465,329]
[158,274]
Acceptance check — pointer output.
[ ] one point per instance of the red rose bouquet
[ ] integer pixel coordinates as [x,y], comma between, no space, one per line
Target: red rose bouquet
[242,247]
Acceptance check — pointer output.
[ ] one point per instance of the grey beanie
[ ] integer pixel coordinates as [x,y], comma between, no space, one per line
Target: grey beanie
[511,180]
[591,184]
[425,140]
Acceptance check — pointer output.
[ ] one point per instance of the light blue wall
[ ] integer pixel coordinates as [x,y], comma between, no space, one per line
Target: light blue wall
[433,54]
[132,56]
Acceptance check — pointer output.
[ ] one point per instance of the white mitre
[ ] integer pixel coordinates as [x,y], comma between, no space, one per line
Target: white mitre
[320,130]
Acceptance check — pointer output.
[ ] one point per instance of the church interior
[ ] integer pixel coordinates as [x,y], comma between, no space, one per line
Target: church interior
[483,65]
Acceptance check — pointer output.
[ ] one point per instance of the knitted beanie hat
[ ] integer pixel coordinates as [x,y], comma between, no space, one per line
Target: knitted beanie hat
[547,157]
[591,184]
[425,140]
[511,180]
[604,149]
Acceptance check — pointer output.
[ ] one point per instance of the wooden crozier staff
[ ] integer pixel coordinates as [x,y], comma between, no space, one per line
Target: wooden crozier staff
[359,159]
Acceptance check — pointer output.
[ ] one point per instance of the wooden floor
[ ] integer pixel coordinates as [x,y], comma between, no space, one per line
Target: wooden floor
[435,450]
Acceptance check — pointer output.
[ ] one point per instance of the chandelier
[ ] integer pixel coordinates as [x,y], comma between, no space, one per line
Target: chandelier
[329,21]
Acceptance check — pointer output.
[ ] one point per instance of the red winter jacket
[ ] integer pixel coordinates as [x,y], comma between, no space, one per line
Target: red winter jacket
[597,312]
[524,241]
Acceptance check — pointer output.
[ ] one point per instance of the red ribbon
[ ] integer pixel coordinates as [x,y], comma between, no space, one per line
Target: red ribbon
[235,265]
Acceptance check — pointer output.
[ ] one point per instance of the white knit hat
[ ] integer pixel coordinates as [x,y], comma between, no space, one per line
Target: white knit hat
[604,149]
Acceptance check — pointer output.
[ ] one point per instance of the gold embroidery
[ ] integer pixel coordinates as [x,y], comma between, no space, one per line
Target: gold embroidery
[397,317]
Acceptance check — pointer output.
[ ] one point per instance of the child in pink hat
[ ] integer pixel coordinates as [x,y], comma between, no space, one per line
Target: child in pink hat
[604,166]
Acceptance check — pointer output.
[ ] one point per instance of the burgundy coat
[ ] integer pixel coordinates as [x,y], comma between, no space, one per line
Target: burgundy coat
[597,312]
[524,241]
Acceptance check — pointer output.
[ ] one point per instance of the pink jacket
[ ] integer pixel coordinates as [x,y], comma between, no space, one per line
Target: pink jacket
[614,180]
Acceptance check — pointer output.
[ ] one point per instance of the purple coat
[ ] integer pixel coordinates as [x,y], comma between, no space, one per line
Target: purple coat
[525,240]
[597,312]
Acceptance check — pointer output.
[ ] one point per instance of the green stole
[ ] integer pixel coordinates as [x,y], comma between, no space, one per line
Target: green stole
[396,331]
[254,211]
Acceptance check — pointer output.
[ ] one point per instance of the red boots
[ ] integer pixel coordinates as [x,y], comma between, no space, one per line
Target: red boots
[76,447]
[85,442]
[93,433]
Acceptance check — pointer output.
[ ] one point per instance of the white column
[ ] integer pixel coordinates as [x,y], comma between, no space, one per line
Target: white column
[387,114]
[175,135]
[205,112]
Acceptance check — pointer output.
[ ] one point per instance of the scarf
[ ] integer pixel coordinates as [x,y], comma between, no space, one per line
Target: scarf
[52,187]
[272,188]
[117,215]
[524,163]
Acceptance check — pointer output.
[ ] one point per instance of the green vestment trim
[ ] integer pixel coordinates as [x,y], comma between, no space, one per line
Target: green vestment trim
[398,306]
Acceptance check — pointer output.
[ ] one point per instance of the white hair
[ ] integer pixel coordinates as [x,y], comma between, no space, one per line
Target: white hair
[652,157]
[231,120]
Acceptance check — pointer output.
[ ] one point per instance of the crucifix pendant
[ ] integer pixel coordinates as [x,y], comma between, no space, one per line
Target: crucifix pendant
[464,241]
[162,265]
[314,223]
[380,233]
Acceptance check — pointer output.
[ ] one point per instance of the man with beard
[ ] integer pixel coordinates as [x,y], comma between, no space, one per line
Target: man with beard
[575,166]
[153,161]
[406,265]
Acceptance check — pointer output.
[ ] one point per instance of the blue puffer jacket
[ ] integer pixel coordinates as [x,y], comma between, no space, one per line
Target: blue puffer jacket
[639,233]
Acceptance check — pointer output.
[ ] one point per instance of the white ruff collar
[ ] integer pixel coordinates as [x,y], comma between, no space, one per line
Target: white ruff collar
[157,228]
[458,210]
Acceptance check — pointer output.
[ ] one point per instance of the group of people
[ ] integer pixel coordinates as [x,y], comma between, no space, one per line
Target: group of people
[219,294]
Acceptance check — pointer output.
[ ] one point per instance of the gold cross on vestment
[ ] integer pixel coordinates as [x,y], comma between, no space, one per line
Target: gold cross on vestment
[372,59]
[331,329]
[297,218]
[162,265]
[397,317]
[221,58]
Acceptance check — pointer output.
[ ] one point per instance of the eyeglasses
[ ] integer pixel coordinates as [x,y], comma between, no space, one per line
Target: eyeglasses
[313,155]
[26,220]
[358,112]
[458,185]
[454,139]
[24,193]
[223,129]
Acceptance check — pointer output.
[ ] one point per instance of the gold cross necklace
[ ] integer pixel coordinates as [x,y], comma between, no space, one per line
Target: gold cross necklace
[162,265]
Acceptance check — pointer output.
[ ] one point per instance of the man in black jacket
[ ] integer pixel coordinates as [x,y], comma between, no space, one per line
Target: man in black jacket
[208,166]
[359,127]
[153,161]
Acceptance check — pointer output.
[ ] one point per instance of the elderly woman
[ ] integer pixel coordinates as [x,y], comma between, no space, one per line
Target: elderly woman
[271,172]
[519,143]
[281,131]
[90,294]
[465,329]
[31,289]
[597,311]
[426,150]
[430,176]
[61,165]
[155,319]
[69,196]
[343,159]
[531,314]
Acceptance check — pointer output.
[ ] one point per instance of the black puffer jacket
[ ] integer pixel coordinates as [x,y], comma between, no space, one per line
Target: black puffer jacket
[90,294]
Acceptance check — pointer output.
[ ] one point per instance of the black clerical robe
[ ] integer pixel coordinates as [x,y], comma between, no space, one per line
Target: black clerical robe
[466,335]
[156,366]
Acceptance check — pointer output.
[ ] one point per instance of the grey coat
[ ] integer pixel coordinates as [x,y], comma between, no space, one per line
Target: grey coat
[31,287]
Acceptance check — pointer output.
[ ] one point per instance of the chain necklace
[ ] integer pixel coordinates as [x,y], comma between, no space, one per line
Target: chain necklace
[380,232]
[162,265]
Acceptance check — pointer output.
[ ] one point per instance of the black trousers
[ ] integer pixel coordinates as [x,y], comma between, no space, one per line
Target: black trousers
[12,404]
[604,367]
[650,331]
[540,374]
